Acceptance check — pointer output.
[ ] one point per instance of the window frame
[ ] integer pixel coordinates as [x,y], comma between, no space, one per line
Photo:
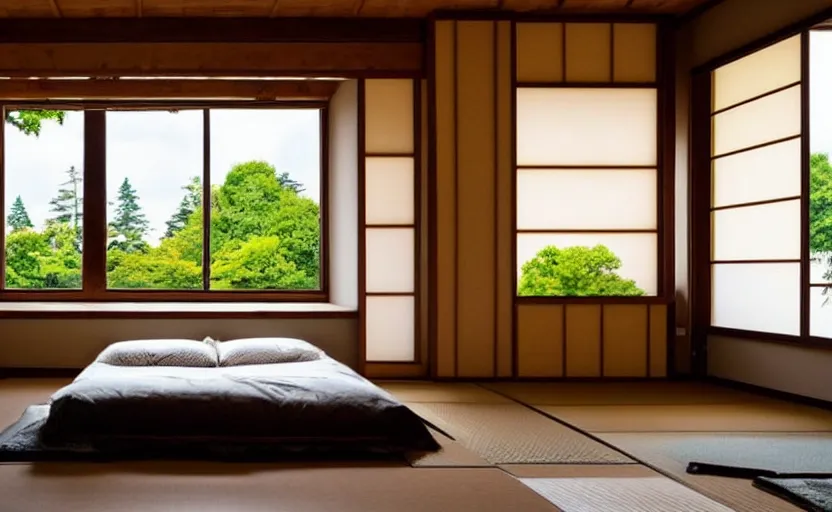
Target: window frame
[700,208]
[663,84]
[94,262]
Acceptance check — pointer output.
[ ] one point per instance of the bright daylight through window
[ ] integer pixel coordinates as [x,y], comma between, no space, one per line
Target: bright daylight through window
[264,224]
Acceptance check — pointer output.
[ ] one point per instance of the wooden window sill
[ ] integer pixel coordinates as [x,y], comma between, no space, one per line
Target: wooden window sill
[174,310]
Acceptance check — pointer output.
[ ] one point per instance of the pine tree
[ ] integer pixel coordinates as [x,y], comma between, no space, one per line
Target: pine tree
[129,225]
[68,203]
[188,205]
[18,218]
[287,182]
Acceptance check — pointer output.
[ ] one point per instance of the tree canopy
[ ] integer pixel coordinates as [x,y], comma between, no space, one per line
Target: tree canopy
[18,218]
[575,272]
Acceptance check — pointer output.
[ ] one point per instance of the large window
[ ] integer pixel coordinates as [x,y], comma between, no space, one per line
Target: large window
[587,182]
[162,202]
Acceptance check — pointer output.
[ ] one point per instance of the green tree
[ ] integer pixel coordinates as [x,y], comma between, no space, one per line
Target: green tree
[128,228]
[18,219]
[575,272]
[287,182]
[260,263]
[25,250]
[68,204]
[188,205]
[155,269]
[30,122]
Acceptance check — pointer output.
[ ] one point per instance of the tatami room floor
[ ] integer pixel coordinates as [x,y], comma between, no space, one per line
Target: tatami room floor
[516,447]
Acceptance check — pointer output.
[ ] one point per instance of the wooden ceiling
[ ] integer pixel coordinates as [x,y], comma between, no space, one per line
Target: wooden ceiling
[322,8]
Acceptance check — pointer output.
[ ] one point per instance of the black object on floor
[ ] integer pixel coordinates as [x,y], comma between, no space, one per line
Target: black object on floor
[812,494]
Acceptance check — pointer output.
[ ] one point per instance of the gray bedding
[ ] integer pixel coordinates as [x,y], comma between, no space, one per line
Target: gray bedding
[301,404]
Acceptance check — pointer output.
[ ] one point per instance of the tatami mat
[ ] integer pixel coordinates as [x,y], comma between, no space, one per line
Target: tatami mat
[652,494]
[442,392]
[511,433]
[622,393]
[785,452]
[579,470]
[206,487]
[452,455]
[747,417]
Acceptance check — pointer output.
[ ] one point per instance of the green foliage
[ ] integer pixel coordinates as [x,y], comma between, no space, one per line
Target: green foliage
[188,205]
[30,122]
[152,270]
[68,203]
[575,272]
[260,263]
[18,218]
[43,260]
[129,227]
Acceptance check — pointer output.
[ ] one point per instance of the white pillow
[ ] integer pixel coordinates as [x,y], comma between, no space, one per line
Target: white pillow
[266,351]
[171,352]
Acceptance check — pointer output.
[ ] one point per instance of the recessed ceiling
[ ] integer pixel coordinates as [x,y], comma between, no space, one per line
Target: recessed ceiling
[327,8]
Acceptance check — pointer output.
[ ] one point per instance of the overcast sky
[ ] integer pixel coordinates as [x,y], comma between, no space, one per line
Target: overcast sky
[820,91]
[159,152]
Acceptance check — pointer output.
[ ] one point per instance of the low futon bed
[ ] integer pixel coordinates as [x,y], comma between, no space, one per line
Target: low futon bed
[251,398]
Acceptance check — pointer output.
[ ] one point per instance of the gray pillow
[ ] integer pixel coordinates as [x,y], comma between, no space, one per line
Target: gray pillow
[266,351]
[171,352]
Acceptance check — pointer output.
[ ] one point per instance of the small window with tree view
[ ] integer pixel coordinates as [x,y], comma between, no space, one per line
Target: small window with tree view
[257,171]
[587,192]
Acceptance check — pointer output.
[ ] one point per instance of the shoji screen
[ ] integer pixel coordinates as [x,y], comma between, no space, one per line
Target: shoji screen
[389,220]
[756,162]
[588,197]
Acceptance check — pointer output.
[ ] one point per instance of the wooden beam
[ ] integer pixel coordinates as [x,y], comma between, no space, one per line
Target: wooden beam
[139,8]
[212,59]
[303,90]
[207,30]
[56,9]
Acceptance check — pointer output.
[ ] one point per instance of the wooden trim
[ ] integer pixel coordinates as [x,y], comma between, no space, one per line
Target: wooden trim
[132,295]
[495,197]
[205,30]
[602,342]
[142,59]
[773,38]
[388,155]
[696,12]
[362,232]
[773,393]
[166,89]
[585,231]
[433,296]
[813,342]
[394,370]
[545,15]
[38,373]
[820,285]
[94,255]
[207,207]
[3,197]
[805,186]
[756,146]
[177,315]
[417,219]
[456,196]
[753,262]
[515,367]
[755,98]
[666,158]
[587,85]
[564,369]
[323,204]
[586,167]
[389,226]
[754,203]
[648,363]
[390,294]
[605,299]
[612,53]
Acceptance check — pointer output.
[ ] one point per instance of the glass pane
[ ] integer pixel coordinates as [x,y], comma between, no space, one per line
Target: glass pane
[539,52]
[570,126]
[154,195]
[265,188]
[44,171]
[391,329]
[389,194]
[634,52]
[762,297]
[767,119]
[588,52]
[820,312]
[763,232]
[770,172]
[761,72]
[390,260]
[820,145]
[388,120]
[608,264]
[586,199]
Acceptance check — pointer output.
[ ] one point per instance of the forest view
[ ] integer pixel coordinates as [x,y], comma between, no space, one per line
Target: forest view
[264,234]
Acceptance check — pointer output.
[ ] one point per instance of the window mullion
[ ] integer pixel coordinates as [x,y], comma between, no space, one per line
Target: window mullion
[206,200]
[94,267]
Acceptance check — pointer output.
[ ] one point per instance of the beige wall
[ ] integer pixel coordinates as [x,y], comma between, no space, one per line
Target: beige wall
[75,343]
[728,26]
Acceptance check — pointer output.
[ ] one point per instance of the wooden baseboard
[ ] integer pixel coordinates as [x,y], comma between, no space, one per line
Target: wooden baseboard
[39,373]
[773,393]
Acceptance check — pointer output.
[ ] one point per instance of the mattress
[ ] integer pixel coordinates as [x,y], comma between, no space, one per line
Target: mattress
[297,405]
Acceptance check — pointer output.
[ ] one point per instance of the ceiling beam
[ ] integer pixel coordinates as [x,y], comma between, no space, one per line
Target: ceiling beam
[139,8]
[56,9]
[213,30]
[163,89]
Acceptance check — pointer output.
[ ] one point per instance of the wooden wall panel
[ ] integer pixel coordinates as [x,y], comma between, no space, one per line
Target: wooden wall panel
[475,198]
[539,52]
[658,340]
[540,340]
[445,118]
[504,179]
[588,52]
[625,333]
[583,340]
